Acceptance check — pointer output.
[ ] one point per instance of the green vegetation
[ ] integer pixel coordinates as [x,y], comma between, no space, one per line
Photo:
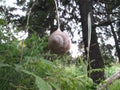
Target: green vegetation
[110,71]
[29,65]
[24,66]
[115,85]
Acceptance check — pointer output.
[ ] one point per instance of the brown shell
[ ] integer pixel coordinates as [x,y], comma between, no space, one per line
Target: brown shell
[59,42]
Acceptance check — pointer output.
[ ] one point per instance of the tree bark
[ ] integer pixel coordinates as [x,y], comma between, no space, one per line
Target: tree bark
[96,61]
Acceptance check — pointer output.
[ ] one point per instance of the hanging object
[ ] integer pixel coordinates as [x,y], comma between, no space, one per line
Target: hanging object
[59,42]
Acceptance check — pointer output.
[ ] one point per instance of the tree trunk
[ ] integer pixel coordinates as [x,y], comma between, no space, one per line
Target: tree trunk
[116,42]
[96,61]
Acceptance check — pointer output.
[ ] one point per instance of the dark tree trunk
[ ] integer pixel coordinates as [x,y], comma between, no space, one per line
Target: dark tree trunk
[116,42]
[96,61]
[84,10]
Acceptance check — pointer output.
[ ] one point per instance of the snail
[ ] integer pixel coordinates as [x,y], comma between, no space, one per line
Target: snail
[59,42]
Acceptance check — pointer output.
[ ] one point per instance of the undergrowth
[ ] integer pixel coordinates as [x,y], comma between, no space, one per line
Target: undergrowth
[110,71]
[28,65]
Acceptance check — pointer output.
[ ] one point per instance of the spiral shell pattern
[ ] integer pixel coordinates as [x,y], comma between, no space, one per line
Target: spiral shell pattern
[59,42]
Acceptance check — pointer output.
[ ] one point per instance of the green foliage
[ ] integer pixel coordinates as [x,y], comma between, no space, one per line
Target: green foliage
[36,72]
[111,70]
[9,52]
[35,45]
[2,22]
[115,85]
[26,64]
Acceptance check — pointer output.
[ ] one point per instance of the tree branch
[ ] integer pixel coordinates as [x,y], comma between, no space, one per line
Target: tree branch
[109,81]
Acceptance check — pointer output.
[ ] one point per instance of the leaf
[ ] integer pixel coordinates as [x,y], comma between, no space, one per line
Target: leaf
[41,84]
[55,85]
[2,22]
[4,65]
[48,62]
[18,67]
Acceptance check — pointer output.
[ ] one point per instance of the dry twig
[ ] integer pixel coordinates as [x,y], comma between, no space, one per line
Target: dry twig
[109,81]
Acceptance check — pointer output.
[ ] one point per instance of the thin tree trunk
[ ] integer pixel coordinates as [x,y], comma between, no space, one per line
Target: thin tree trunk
[116,42]
[84,10]
[96,61]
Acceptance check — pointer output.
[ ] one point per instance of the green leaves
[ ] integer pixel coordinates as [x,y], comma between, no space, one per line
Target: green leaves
[57,77]
[35,71]
[40,83]
[4,65]
[2,22]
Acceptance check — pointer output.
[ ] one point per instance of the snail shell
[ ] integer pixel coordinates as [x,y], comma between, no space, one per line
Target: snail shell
[59,42]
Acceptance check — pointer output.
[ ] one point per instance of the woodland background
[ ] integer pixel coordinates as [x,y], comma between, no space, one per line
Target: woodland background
[27,64]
